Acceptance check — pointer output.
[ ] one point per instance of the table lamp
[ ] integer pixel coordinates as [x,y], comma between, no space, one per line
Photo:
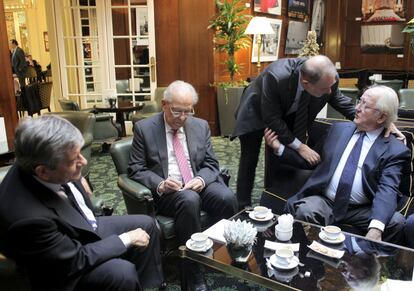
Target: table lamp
[257,26]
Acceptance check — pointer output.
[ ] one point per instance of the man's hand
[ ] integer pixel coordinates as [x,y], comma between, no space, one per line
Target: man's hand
[374,234]
[170,185]
[394,130]
[139,237]
[271,139]
[309,155]
[194,184]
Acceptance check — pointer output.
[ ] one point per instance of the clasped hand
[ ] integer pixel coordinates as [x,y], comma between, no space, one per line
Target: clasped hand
[139,237]
[170,185]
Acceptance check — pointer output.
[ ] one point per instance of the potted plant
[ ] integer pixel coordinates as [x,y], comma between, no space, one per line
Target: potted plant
[240,237]
[409,28]
[229,25]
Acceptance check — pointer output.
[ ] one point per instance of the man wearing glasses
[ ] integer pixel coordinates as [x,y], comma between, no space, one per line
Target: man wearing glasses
[172,156]
[358,179]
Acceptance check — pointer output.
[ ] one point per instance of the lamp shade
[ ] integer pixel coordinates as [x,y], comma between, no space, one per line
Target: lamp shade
[259,25]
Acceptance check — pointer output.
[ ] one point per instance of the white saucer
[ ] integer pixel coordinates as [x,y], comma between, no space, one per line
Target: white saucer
[293,263]
[268,217]
[338,240]
[203,249]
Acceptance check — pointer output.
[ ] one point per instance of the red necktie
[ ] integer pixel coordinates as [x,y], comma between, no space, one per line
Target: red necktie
[181,159]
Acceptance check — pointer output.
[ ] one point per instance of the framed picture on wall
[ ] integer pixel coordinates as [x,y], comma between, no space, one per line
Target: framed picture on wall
[46,40]
[299,9]
[382,10]
[269,51]
[296,36]
[268,6]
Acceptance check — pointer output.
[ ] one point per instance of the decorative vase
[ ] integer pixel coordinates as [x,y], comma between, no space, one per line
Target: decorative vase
[239,254]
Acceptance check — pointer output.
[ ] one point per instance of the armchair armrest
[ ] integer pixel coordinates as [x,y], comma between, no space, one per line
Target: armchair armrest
[138,198]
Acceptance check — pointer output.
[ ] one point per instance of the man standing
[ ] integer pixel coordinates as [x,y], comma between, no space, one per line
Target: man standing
[285,97]
[48,227]
[18,61]
[358,179]
[172,156]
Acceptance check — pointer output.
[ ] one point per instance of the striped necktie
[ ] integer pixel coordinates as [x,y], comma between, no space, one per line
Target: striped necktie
[181,158]
[301,118]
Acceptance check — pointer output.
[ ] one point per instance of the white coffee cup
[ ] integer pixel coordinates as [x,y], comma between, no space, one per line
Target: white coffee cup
[198,240]
[260,211]
[284,256]
[332,232]
[283,234]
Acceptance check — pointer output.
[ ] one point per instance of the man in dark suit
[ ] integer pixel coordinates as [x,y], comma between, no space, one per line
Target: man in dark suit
[409,231]
[186,179]
[273,100]
[18,61]
[47,226]
[365,197]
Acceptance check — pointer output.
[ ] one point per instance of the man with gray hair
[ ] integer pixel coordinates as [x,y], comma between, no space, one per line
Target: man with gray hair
[358,179]
[172,156]
[48,227]
[285,97]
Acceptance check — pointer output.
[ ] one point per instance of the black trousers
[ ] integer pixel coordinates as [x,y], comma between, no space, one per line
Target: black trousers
[139,268]
[185,206]
[250,145]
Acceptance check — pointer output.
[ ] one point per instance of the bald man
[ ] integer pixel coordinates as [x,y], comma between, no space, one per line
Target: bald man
[274,100]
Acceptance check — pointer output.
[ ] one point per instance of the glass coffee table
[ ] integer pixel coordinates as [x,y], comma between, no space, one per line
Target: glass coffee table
[364,263]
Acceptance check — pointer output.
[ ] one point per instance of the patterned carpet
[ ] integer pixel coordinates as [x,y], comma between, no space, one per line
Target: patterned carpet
[103,178]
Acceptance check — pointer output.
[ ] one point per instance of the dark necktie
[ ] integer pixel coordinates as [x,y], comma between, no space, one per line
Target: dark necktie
[72,200]
[343,192]
[301,117]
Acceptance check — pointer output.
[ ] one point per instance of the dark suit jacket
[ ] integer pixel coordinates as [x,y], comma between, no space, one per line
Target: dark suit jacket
[267,100]
[381,171]
[19,62]
[47,236]
[148,163]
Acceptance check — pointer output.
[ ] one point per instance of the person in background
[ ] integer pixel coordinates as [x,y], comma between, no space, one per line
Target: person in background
[172,155]
[18,61]
[47,225]
[33,63]
[361,174]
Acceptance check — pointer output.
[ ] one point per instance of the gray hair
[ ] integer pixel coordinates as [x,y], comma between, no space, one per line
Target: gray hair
[314,68]
[387,102]
[180,88]
[44,141]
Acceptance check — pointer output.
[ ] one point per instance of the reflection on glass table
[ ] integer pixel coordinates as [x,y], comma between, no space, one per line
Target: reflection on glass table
[363,263]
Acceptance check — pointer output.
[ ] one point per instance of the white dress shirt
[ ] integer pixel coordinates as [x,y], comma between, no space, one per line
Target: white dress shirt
[357,192]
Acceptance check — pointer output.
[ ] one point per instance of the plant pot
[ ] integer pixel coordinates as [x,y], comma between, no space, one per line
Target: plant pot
[227,101]
[239,253]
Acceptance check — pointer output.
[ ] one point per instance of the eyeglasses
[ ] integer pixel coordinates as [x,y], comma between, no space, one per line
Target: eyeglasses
[363,105]
[178,112]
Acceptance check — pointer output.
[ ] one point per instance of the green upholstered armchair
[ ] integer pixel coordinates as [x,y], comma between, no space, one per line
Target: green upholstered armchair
[138,198]
[105,130]
[151,107]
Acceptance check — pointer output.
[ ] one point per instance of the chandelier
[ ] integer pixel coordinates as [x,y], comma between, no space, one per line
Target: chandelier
[18,4]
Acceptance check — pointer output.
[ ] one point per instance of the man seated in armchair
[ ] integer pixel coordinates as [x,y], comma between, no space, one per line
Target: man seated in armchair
[48,227]
[357,181]
[172,155]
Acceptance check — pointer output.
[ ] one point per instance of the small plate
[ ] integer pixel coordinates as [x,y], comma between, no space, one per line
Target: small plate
[205,248]
[338,240]
[293,263]
[268,217]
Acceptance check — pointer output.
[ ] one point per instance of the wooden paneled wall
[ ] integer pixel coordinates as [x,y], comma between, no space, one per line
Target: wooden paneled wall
[7,99]
[185,50]
[349,34]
